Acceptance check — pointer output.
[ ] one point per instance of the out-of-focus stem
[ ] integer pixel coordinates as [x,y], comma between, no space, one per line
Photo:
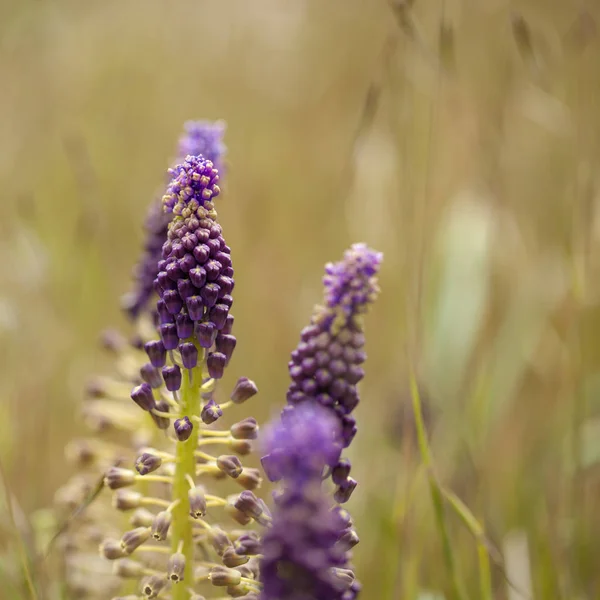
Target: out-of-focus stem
[434,489]
[185,467]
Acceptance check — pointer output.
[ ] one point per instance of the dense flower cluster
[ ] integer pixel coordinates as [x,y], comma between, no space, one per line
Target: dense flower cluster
[326,367]
[201,138]
[169,532]
[306,551]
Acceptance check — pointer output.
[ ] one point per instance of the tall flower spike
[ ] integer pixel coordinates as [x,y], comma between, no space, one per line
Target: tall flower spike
[305,552]
[326,365]
[200,138]
[194,282]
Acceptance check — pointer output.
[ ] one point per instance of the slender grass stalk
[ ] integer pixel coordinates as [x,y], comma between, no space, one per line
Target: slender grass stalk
[20,543]
[185,468]
[435,490]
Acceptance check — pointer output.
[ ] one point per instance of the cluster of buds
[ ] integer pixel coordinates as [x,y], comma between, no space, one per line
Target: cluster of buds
[326,366]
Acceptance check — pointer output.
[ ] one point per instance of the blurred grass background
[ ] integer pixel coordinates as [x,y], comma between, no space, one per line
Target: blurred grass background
[461,138]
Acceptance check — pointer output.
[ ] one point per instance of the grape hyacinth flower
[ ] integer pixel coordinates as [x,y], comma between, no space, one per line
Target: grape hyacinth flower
[194,282]
[326,367]
[306,551]
[200,138]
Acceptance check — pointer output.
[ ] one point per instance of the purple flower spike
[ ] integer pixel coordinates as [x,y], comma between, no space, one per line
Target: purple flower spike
[306,547]
[201,138]
[326,365]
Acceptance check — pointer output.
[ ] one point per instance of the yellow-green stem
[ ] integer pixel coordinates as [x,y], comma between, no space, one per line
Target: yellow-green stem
[434,489]
[185,466]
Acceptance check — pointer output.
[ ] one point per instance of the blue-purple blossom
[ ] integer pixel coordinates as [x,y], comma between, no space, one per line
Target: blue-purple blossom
[195,274]
[201,138]
[306,549]
[326,366]
[204,138]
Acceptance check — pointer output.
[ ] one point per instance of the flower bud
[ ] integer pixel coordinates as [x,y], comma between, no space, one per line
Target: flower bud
[223,577]
[172,377]
[348,539]
[160,525]
[153,586]
[116,478]
[342,579]
[248,504]
[248,544]
[340,472]
[127,568]
[234,513]
[161,422]
[142,396]
[244,389]
[147,463]
[176,567]
[81,453]
[189,355]
[141,518]
[156,353]
[232,559]
[126,500]
[230,465]
[183,429]
[250,478]
[344,491]
[112,549]
[197,502]
[134,539]
[241,447]
[219,540]
[211,411]
[215,363]
[151,375]
[247,429]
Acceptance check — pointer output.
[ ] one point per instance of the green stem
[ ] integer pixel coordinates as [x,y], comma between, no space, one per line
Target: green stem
[434,489]
[185,466]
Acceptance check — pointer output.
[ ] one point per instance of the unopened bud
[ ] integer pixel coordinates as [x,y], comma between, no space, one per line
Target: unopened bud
[248,544]
[147,463]
[232,559]
[153,586]
[176,567]
[230,465]
[250,478]
[80,452]
[127,499]
[116,478]
[161,524]
[223,577]
[211,411]
[183,429]
[241,447]
[112,549]
[219,540]
[235,513]
[134,539]
[236,591]
[247,429]
[142,396]
[128,568]
[248,504]
[141,518]
[197,502]
[161,422]
[342,579]
[344,491]
[244,389]
[151,375]
[340,472]
[348,539]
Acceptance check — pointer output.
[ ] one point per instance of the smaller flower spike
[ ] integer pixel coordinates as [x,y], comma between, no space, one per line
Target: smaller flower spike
[205,138]
[326,366]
